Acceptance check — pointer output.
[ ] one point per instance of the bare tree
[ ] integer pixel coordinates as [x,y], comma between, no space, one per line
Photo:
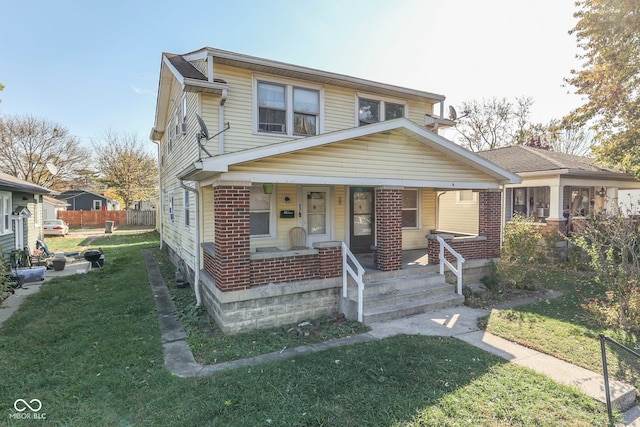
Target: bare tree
[32,149]
[570,139]
[126,165]
[494,123]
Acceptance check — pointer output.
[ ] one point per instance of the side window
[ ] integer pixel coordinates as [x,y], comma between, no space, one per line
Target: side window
[97,205]
[466,196]
[260,212]
[170,206]
[410,208]
[5,212]
[186,209]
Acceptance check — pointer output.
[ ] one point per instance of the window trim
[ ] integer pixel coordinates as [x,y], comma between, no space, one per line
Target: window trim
[473,201]
[170,204]
[272,214]
[6,202]
[93,205]
[382,100]
[417,208]
[289,111]
[186,210]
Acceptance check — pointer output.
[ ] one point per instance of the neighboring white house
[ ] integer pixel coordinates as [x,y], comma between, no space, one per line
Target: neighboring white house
[51,206]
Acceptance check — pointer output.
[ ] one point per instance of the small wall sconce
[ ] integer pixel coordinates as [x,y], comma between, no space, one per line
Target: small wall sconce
[287,199]
[267,188]
[602,192]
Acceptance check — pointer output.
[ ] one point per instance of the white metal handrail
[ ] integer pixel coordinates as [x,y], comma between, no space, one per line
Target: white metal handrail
[357,274]
[443,261]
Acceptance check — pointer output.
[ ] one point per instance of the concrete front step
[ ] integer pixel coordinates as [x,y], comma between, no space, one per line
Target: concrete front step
[408,308]
[391,296]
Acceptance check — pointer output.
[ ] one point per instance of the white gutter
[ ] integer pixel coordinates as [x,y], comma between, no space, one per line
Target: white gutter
[196,252]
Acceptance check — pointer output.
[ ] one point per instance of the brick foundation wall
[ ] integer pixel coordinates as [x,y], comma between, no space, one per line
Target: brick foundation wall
[389,229]
[231,262]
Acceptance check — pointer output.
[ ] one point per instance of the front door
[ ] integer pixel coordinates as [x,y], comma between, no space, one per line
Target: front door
[316,213]
[362,230]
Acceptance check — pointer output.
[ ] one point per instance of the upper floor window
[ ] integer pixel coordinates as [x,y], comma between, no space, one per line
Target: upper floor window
[287,109]
[376,110]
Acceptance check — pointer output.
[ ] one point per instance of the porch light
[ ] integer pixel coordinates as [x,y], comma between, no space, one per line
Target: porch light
[602,192]
[267,188]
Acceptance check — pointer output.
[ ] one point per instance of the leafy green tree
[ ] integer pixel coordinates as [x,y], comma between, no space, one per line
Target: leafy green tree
[608,33]
[40,151]
[126,166]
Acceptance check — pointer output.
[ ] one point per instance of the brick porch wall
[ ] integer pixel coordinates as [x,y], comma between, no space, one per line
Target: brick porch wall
[475,248]
[490,221]
[389,228]
[284,269]
[231,261]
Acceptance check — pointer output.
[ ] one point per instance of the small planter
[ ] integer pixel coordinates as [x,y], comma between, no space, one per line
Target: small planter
[58,264]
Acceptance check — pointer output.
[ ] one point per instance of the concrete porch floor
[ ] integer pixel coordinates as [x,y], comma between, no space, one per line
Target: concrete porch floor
[410,259]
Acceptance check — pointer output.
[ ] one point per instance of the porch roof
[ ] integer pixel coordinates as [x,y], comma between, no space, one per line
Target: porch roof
[210,167]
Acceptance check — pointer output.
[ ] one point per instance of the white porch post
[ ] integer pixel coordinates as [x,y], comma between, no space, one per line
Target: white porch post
[556,210]
[611,200]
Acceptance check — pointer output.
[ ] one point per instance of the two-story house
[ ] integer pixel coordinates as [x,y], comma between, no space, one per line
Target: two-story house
[271,172]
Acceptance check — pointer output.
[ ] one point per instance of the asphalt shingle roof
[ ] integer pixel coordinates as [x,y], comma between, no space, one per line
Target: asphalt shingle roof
[518,159]
[11,182]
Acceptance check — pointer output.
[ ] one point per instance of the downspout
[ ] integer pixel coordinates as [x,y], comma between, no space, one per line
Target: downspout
[196,252]
[440,193]
[223,99]
[160,225]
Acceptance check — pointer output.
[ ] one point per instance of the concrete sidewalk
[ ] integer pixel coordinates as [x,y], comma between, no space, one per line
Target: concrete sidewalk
[460,322]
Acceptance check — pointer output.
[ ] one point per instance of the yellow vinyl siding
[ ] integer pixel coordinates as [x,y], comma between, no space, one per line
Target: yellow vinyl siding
[378,156]
[340,200]
[415,239]
[456,216]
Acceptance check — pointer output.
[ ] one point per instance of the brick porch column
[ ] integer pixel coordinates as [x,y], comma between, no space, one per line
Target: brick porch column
[232,259]
[389,228]
[490,221]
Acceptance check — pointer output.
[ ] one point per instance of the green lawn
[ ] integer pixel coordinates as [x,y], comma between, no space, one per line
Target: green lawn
[88,347]
[562,327]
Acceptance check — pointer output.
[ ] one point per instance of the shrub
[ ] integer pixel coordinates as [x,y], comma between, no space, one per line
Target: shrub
[519,250]
[612,245]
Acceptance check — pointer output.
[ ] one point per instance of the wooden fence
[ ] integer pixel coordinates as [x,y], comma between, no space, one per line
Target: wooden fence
[99,218]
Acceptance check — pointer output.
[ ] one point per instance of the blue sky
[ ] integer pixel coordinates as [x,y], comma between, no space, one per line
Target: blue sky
[93,65]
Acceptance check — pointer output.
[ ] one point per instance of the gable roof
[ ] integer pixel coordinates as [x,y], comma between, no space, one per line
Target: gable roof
[192,80]
[522,160]
[10,182]
[70,194]
[220,164]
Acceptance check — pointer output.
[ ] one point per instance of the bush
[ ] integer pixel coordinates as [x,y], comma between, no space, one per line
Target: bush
[520,249]
[612,246]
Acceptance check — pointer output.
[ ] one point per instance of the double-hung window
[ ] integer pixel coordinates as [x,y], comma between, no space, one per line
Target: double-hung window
[410,208]
[187,220]
[286,109]
[376,110]
[5,212]
[261,217]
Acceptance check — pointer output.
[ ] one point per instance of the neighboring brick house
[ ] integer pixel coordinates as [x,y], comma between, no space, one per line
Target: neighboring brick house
[250,150]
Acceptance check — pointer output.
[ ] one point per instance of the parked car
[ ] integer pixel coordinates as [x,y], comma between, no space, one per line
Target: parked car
[55,227]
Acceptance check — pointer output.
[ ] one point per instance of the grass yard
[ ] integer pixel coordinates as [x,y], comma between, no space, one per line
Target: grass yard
[88,347]
[563,328]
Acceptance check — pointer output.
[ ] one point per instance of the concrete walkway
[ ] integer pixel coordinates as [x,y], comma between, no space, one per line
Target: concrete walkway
[459,322]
